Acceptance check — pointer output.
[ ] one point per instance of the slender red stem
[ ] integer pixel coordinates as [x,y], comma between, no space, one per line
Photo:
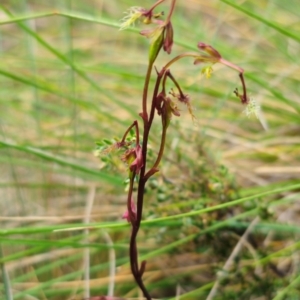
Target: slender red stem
[160,154]
[155,93]
[171,11]
[156,4]
[245,98]
[137,134]
[145,93]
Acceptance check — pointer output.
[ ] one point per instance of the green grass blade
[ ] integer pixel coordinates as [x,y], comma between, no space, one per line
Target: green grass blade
[251,14]
[5,278]
[117,181]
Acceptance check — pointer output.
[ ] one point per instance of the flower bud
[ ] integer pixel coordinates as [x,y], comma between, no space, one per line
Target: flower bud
[209,50]
[156,36]
[168,40]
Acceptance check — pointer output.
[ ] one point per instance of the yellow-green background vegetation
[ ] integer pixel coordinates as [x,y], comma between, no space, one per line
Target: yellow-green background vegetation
[222,216]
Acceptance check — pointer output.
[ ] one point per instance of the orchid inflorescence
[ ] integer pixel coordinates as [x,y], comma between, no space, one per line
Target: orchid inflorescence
[163,104]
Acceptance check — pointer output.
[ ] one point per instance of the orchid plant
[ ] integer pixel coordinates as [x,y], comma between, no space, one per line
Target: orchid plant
[159,103]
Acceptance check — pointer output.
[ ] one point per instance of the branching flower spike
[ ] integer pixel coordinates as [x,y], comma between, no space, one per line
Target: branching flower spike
[159,103]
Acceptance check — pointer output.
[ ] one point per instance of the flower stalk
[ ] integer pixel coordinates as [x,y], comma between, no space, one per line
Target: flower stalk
[162,104]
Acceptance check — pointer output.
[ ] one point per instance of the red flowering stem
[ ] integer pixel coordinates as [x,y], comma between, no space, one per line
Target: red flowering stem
[142,181]
[155,93]
[154,169]
[145,93]
[132,218]
[137,273]
[171,11]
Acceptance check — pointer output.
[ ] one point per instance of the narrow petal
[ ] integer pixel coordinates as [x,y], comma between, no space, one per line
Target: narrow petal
[209,49]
